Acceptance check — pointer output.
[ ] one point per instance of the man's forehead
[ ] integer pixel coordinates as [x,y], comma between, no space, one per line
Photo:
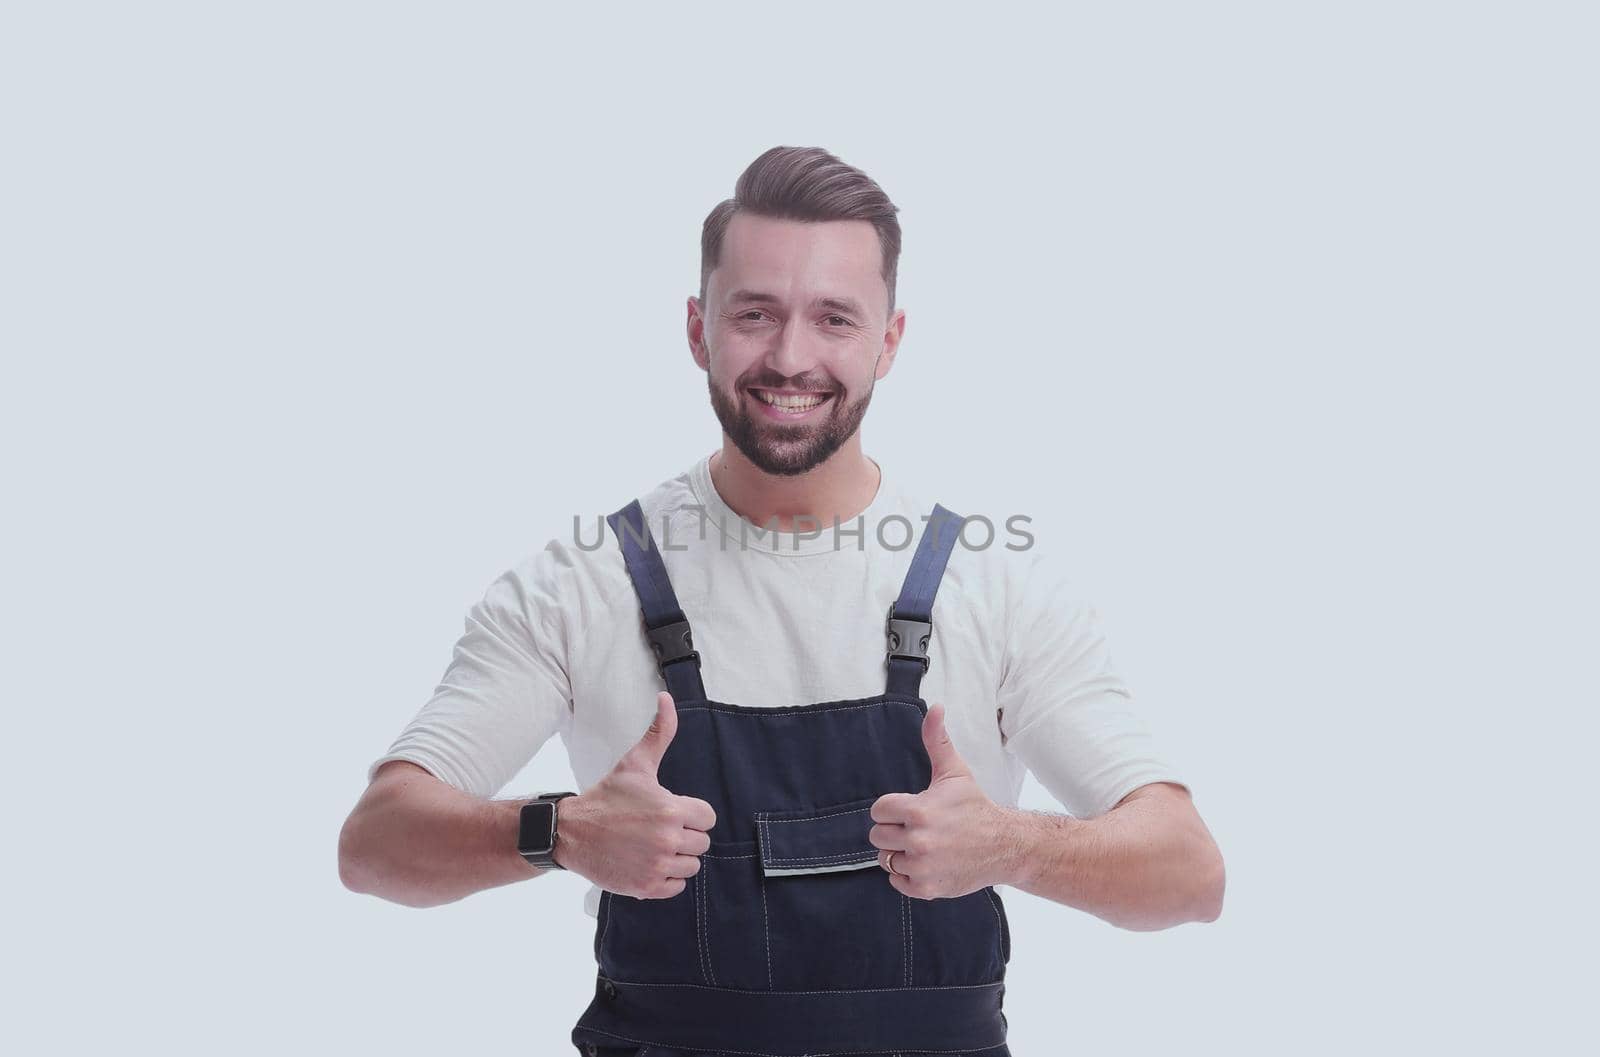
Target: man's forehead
[836,257]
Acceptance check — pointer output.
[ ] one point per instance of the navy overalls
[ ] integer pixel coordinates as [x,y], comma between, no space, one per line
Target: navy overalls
[790,940]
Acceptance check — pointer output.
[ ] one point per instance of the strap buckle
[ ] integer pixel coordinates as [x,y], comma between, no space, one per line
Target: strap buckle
[908,639]
[671,643]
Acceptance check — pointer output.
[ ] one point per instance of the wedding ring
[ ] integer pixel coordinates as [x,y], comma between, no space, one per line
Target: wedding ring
[888,863]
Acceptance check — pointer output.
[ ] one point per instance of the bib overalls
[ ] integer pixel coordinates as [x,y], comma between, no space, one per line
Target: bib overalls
[790,940]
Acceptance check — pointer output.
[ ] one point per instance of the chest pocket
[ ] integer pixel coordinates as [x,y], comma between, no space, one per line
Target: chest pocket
[811,895]
[825,840]
[832,919]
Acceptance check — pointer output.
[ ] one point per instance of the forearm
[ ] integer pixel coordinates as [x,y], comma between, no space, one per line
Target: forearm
[1147,864]
[417,841]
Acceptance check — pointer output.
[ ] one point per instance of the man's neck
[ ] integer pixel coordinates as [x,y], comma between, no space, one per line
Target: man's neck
[839,489]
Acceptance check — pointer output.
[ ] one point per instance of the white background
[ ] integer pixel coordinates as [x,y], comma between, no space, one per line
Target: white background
[1280,320]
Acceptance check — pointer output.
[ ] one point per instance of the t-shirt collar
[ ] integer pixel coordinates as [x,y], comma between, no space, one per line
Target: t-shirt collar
[853,534]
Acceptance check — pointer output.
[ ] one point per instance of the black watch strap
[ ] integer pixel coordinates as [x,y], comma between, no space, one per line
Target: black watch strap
[538,831]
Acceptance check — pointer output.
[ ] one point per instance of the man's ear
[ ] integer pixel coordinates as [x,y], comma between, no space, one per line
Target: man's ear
[891,342]
[696,325]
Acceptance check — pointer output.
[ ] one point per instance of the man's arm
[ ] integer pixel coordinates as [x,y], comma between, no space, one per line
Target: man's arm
[1148,863]
[1132,849]
[415,840]
[424,831]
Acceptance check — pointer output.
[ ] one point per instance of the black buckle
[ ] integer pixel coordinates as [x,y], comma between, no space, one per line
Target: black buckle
[672,642]
[908,639]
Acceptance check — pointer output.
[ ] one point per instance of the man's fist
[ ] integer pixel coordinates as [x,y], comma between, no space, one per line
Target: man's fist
[938,837]
[627,833]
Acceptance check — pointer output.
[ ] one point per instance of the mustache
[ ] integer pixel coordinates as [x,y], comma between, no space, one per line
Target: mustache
[790,387]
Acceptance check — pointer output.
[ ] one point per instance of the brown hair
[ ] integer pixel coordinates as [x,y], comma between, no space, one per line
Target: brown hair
[804,183]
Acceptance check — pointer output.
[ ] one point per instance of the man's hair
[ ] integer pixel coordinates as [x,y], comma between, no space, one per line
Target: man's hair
[804,183]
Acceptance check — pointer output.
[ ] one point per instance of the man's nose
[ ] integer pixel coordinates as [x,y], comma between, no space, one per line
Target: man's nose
[791,354]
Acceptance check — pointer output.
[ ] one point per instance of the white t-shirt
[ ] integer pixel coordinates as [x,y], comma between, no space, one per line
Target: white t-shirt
[557,646]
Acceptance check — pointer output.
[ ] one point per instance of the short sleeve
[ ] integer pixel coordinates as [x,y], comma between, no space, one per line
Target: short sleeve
[506,689]
[1065,712]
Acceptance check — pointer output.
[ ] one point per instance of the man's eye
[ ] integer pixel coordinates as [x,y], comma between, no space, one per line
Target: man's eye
[843,321]
[751,312]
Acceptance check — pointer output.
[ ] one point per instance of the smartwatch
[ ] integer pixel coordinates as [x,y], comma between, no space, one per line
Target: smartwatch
[536,835]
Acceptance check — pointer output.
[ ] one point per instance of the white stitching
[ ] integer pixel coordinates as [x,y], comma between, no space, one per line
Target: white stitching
[911,942]
[900,916]
[765,933]
[766,816]
[699,928]
[907,901]
[705,894]
[1000,938]
[694,898]
[861,853]
[905,975]
[909,955]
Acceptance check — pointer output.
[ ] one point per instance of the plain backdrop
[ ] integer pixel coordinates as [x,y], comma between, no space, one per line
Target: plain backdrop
[1278,319]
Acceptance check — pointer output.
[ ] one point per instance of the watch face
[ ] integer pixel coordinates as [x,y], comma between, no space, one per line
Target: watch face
[538,819]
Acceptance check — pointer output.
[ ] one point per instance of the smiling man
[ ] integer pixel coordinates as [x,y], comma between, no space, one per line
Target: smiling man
[790,397]
[794,813]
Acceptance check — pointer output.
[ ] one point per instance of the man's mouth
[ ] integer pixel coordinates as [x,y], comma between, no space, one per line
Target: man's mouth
[789,405]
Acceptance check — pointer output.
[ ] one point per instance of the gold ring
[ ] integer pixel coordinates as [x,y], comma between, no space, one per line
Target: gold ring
[888,864]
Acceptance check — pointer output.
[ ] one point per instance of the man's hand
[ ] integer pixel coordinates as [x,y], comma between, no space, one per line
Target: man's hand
[627,833]
[938,836]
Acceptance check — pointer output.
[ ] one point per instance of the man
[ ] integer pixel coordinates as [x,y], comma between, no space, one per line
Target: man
[792,848]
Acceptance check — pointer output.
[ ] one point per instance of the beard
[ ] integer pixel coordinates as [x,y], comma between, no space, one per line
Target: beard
[786,451]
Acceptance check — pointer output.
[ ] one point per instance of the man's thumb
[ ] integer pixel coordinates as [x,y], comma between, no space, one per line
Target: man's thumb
[941,750]
[653,745]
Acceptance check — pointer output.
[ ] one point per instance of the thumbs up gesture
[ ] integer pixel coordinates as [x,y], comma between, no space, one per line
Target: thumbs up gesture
[627,833]
[934,843]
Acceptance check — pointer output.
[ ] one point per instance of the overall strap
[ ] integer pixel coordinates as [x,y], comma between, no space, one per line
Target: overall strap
[665,626]
[911,615]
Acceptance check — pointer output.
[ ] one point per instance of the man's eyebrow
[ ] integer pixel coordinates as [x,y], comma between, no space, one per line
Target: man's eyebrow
[841,304]
[838,304]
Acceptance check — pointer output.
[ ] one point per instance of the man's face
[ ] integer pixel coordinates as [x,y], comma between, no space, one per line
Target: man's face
[792,335]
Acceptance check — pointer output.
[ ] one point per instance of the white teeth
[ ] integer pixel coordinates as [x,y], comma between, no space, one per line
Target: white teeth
[789,403]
